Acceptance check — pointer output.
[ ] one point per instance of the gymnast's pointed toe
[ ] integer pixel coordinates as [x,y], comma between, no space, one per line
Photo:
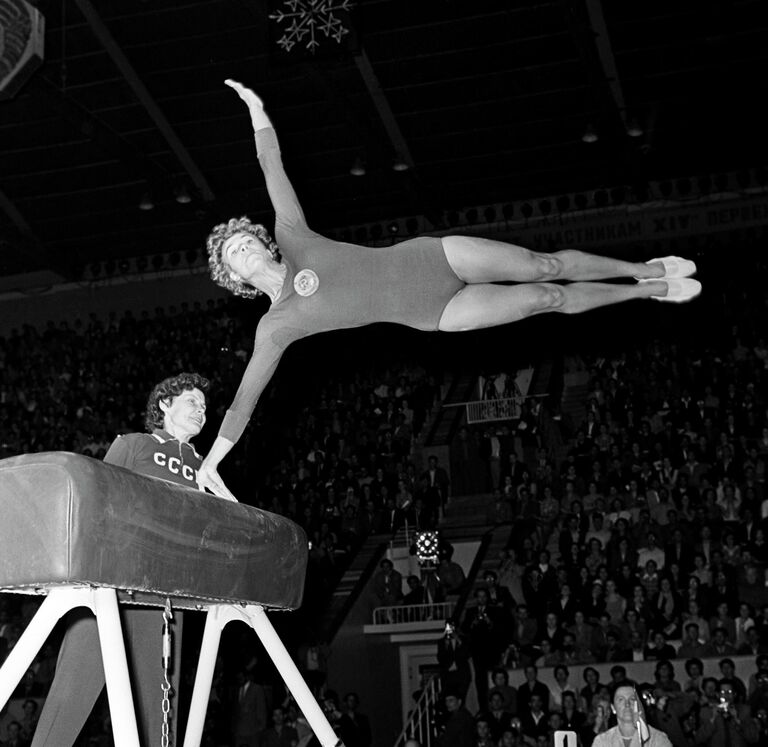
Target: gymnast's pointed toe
[675,267]
[679,290]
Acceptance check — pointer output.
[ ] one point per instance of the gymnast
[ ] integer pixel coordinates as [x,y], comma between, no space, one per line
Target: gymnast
[448,284]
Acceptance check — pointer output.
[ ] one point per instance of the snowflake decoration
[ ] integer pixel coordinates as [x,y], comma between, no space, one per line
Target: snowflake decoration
[308,18]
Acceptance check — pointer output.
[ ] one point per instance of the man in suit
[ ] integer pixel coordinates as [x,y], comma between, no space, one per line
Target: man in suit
[250,711]
[434,486]
[484,629]
[387,584]
[453,658]
[355,727]
[532,687]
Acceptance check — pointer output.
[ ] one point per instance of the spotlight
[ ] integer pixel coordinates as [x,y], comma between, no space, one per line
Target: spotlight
[146,202]
[427,547]
[634,129]
[400,164]
[358,167]
[589,136]
[182,195]
[393,228]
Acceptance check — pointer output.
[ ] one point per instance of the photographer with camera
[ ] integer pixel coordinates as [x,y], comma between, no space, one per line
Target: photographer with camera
[453,657]
[727,723]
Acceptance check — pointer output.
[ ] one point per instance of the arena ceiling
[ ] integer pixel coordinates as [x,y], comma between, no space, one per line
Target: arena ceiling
[486,102]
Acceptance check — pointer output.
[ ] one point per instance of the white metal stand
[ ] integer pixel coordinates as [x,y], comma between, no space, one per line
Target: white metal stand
[103,602]
[254,616]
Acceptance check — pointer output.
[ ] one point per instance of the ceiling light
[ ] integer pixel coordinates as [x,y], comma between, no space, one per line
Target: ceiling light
[634,129]
[146,202]
[400,164]
[358,167]
[182,195]
[589,136]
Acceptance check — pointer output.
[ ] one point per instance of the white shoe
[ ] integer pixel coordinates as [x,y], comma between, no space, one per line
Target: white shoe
[675,267]
[679,290]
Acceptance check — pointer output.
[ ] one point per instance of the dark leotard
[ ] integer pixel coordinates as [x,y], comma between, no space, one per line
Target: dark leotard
[409,283]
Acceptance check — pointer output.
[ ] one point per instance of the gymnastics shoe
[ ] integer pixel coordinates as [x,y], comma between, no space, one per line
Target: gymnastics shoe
[675,267]
[679,290]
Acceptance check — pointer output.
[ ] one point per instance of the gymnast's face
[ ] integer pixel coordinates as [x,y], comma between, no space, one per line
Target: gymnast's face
[244,255]
[184,415]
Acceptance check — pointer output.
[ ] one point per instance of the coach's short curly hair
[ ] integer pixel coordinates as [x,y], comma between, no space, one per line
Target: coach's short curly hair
[169,388]
[219,272]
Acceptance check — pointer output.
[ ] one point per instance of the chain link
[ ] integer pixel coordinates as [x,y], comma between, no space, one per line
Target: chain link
[166,684]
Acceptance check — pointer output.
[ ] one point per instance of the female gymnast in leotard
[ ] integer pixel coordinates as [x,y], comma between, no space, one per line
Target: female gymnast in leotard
[448,284]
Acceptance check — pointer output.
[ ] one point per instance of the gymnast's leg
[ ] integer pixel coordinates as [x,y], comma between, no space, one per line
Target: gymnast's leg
[488,305]
[477,260]
[78,682]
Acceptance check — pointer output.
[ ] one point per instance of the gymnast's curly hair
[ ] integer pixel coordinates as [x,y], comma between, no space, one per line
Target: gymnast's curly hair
[219,272]
[169,388]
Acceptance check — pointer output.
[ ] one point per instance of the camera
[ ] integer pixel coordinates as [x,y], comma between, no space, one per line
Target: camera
[723,705]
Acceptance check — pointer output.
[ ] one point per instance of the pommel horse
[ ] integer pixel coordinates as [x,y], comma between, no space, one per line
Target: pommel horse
[84,533]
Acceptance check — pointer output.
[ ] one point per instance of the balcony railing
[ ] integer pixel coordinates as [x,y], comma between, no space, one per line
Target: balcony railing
[408,613]
[421,722]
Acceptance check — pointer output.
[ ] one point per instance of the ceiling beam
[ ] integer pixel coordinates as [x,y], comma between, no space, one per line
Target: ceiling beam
[117,55]
[383,108]
[605,54]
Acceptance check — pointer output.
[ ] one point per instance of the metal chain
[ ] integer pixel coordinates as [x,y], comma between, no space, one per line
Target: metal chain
[166,684]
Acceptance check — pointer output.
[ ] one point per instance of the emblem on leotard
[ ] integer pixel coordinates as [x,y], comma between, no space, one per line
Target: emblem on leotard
[306,282]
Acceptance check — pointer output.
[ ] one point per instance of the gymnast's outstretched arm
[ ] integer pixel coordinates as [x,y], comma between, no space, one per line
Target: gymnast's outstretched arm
[261,367]
[284,201]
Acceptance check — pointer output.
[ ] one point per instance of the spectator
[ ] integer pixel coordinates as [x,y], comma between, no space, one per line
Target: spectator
[625,706]
[279,733]
[354,726]
[249,718]
[728,724]
[459,729]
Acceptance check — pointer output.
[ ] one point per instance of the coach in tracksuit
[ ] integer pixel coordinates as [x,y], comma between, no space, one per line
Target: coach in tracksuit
[175,415]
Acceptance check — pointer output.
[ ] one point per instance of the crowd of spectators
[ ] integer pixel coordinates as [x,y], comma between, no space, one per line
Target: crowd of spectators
[646,539]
